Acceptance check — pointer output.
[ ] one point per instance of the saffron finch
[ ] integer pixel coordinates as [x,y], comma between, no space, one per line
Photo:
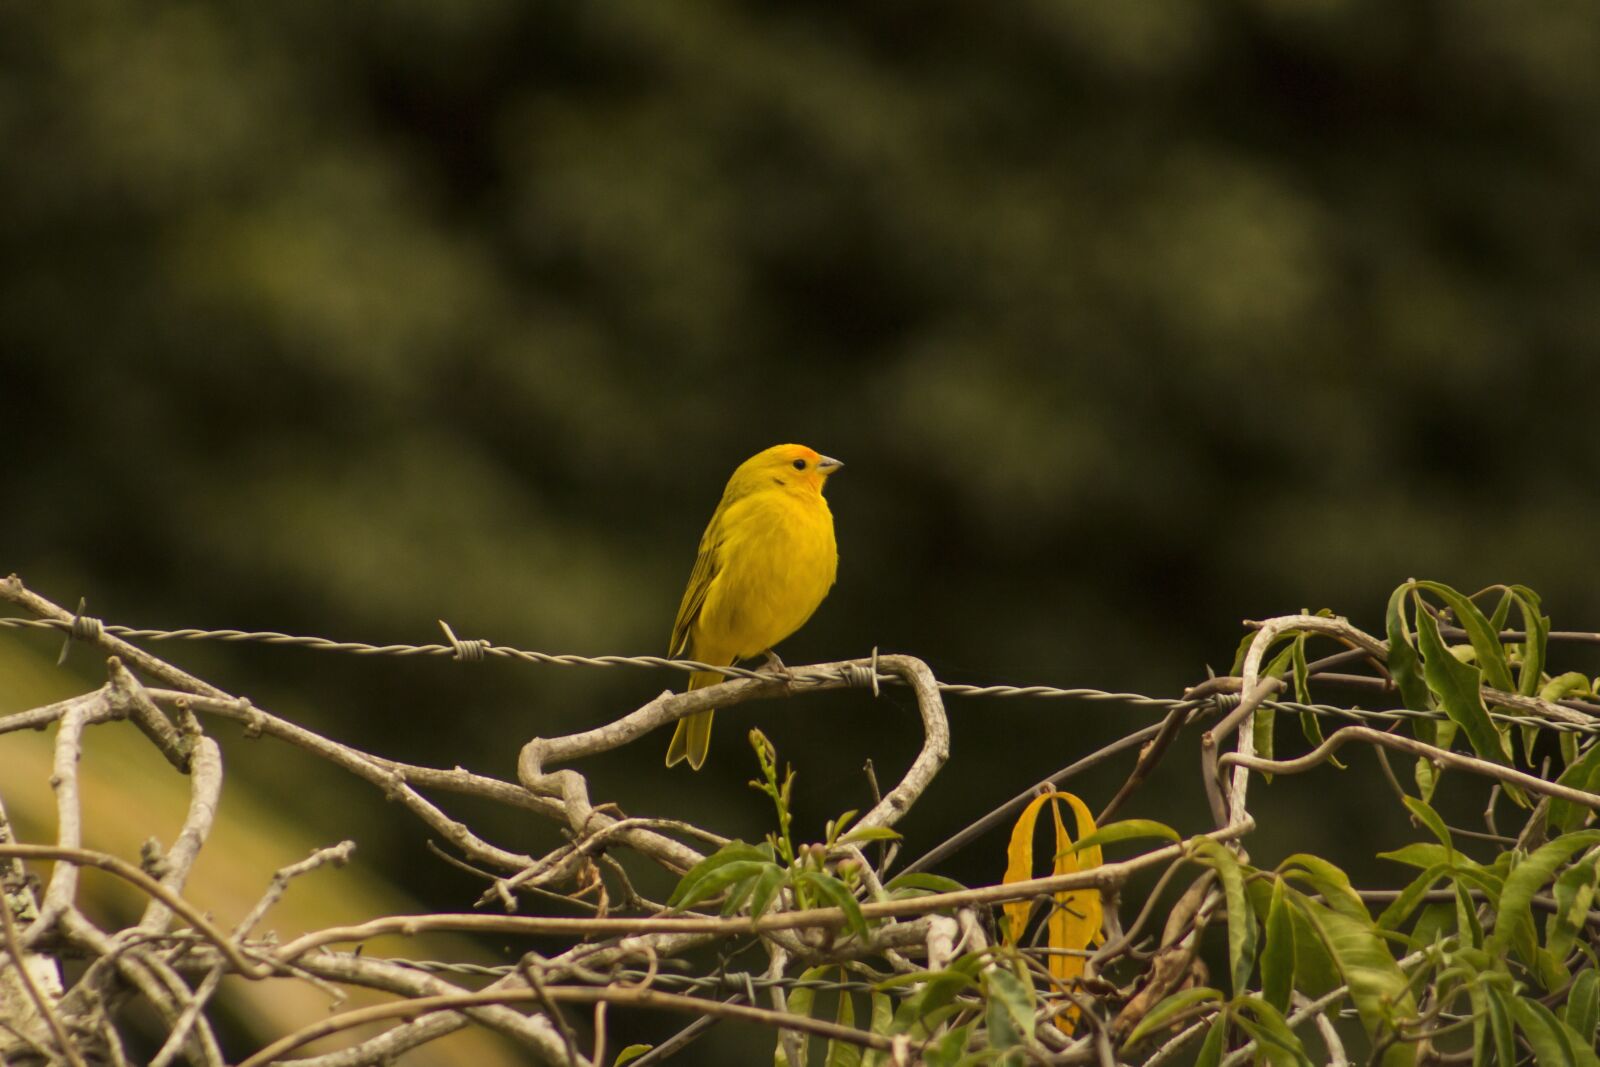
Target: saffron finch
[766,560]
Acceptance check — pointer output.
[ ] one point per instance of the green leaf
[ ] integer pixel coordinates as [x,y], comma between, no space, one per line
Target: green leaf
[1310,725]
[1467,924]
[946,1052]
[1535,647]
[765,890]
[1330,881]
[930,1005]
[1574,892]
[1268,1053]
[1302,671]
[1487,649]
[1583,1005]
[1424,773]
[882,1024]
[1500,1027]
[1315,973]
[1432,821]
[1404,665]
[732,852]
[1554,1043]
[739,892]
[1564,815]
[1211,1049]
[834,892]
[1437,920]
[1482,877]
[1400,909]
[1239,654]
[1420,854]
[803,996]
[1513,922]
[1241,916]
[882,1012]
[1170,1008]
[1277,955]
[1457,686]
[1311,729]
[1502,610]
[869,833]
[1265,718]
[918,884]
[1378,986]
[1275,1042]
[1551,971]
[1126,830]
[713,882]
[1562,686]
[1010,1012]
[632,1052]
[843,1053]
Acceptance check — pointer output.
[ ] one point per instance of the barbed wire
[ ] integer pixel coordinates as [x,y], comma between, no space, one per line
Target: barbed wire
[727,980]
[1392,715]
[86,628]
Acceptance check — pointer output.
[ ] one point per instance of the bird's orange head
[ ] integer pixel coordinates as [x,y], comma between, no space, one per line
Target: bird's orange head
[789,466]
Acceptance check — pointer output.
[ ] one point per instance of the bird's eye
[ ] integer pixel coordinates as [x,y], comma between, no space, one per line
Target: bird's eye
[799,464]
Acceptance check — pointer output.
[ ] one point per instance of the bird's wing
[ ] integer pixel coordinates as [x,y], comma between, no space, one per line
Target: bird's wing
[706,566]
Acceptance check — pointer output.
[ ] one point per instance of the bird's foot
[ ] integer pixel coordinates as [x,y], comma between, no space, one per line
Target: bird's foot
[774,666]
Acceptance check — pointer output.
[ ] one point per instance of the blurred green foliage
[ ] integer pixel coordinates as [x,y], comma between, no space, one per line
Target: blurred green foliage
[1130,320]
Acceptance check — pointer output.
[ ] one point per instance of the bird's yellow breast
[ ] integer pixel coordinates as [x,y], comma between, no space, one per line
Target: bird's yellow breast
[777,561]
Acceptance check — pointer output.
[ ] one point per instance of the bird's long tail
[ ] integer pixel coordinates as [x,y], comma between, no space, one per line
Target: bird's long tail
[692,738]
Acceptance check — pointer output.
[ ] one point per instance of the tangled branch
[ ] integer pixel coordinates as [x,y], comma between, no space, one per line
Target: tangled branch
[929,954]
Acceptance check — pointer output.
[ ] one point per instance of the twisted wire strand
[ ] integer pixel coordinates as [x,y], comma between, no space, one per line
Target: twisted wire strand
[1393,715]
[735,980]
[85,627]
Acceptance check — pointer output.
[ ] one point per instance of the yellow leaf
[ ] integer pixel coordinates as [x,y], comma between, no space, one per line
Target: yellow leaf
[1019,866]
[1075,922]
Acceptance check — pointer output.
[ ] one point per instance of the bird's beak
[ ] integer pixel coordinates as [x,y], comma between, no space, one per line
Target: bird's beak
[827,464]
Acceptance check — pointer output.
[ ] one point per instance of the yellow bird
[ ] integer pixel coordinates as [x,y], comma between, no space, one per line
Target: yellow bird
[766,560]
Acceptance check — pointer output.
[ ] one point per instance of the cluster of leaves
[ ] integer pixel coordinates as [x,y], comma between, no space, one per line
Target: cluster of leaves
[983,1000]
[1433,675]
[983,1007]
[1472,962]
[752,877]
[1471,958]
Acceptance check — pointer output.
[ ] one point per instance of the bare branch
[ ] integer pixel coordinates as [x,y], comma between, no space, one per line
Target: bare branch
[1345,735]
[642,998]
[128,697]
[63,887]
[205,771]
[82,857]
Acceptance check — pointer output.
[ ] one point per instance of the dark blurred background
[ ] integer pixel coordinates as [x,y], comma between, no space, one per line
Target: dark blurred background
[1130,321]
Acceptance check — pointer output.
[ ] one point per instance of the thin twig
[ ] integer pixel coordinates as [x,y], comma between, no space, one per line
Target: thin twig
[980,826]
[641,998]
[1343,736]
[82,857]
